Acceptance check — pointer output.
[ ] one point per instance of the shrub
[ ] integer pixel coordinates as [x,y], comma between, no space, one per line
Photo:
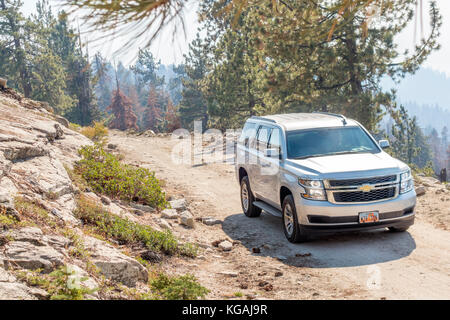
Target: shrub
[106,174]
[129,232]
[6,220]
[58,284]
[97,133]
[184,287]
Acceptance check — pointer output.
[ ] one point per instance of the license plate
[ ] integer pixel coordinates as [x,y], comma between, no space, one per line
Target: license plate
[367,217]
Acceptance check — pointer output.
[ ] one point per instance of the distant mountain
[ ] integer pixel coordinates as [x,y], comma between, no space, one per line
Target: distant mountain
[425,87]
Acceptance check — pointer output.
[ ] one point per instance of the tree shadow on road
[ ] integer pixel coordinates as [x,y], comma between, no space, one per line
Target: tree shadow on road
[339,250]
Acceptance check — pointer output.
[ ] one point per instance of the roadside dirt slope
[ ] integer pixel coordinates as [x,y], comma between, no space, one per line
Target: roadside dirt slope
[370,265]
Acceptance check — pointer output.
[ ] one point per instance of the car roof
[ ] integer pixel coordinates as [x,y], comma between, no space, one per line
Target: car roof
[298,121]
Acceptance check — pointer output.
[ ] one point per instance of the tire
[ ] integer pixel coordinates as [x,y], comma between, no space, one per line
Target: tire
[247,199]
[398,229]
[292,230]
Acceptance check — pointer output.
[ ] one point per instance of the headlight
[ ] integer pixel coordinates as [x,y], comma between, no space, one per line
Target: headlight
[406,182]
[313,189]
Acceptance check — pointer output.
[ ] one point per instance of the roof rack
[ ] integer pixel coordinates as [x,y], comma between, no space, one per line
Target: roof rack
[344,119]
[262,118]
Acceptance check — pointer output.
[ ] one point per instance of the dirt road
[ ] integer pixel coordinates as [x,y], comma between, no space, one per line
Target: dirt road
[369,265]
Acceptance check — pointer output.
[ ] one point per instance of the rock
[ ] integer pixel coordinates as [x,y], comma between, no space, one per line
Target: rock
[61,120]
[32,235]
[5,199]
[230,274]
[303,255]
[439,191]
[105,200]
[22,151]
[209,221]
[142,207]
[256,250]
[278,274]
[15,291]
[225,245]
[426,181]
[169,214]
[81,278]
[112,146]
[179,204]
[243,286]
[149,133]
[164,224]
[420,191]
[281,258]
[187,219]
[151,256]
[30,256]
[115,265]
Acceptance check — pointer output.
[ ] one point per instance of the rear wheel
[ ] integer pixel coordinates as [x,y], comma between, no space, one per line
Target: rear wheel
[292,230]
[247,199]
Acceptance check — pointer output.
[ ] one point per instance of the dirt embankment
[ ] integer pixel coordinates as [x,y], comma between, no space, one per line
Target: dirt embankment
[369,265]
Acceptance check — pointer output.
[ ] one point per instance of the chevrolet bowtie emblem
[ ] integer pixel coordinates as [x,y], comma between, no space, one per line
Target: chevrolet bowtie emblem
[366,188]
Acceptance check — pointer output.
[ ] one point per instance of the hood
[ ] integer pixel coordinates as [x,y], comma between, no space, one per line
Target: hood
[345,165]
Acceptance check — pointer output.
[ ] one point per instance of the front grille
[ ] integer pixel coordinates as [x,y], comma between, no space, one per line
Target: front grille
[357,182]
[360,196]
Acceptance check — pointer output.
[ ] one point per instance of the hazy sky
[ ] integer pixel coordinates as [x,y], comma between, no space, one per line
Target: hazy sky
[172,52]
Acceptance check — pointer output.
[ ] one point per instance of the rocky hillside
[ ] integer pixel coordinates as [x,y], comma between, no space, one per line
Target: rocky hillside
[45,251]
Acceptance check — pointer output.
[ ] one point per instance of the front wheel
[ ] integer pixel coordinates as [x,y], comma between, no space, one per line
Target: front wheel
[292,230]
[247,199]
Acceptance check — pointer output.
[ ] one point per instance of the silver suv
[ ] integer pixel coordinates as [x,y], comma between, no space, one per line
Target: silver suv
[321,173]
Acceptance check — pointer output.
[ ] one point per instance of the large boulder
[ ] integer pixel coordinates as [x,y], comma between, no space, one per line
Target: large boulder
[115,265]
[30,249]
[30,256]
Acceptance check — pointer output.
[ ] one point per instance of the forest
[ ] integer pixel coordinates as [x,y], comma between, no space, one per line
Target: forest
[272,57]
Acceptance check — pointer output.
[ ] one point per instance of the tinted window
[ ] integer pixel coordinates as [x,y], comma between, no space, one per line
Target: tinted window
[248,132]
[263,138]
[329,141]
[275,139]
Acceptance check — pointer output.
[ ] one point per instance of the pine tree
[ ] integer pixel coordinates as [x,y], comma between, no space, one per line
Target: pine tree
[404,132]
[193,105]
[103,80]
[14,28]
[153,116]
[122,109]
[171,118]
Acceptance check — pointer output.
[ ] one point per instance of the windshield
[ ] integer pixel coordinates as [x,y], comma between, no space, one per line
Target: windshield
[329,141]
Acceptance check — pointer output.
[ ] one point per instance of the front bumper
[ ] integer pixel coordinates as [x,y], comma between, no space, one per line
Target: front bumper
[326,216]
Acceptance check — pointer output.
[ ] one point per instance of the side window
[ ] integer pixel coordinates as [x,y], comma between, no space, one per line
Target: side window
[275,139]
[263,138]
[248,132]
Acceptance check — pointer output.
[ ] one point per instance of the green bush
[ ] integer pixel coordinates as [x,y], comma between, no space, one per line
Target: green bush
[58,284]
[106,174]
[129,232]
[184,287]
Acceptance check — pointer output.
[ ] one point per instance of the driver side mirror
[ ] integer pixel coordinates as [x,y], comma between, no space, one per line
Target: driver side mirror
[384,144]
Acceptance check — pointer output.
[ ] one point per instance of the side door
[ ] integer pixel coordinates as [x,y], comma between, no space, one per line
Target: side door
[245,142]
[270,168]
[256,154]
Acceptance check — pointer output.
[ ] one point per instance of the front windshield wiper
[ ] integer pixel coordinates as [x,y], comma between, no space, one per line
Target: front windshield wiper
[331,154]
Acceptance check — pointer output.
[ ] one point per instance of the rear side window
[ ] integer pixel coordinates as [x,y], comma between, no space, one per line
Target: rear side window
[263,138]
[248,133]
